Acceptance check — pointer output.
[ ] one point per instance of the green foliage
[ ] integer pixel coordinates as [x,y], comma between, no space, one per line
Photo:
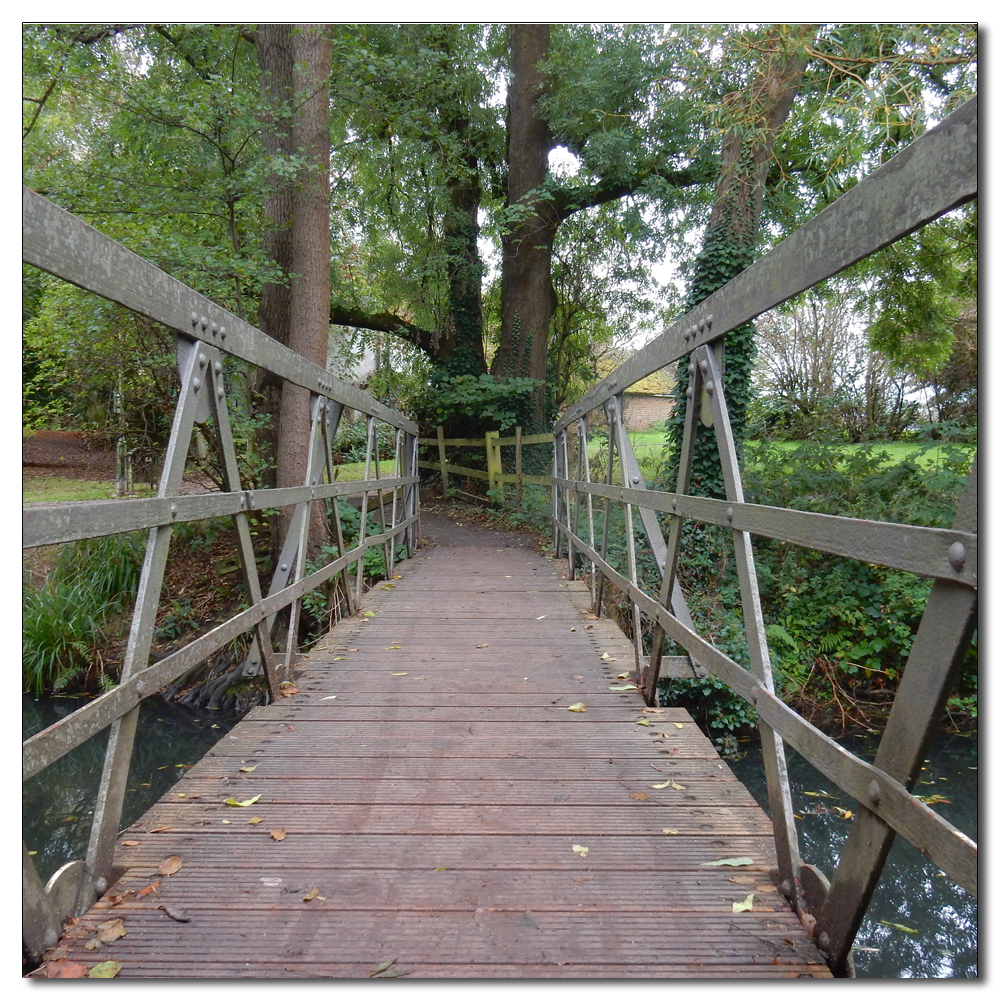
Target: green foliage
[474,405]
[64,622]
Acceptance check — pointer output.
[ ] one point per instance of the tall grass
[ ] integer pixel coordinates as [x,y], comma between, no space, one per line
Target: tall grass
[64,621]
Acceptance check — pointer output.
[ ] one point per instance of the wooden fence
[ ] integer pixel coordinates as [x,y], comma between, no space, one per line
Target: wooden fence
[493,474]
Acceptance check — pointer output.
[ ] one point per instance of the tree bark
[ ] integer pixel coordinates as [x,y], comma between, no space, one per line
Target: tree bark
[295,63]
[274,57]
[528,299]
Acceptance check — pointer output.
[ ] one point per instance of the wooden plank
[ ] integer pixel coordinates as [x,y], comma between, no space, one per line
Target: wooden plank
[465,823]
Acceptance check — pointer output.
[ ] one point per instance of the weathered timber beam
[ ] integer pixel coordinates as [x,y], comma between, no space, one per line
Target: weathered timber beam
[925,551]
[63,245]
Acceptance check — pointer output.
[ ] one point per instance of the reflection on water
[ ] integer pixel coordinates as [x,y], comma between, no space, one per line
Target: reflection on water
[58,803]
[912,893]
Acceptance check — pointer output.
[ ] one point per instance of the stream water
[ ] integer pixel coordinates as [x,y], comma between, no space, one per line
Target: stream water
[941,939]
[942,919]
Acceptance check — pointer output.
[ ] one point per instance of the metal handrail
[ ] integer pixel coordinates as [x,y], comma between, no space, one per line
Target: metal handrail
[63,245]
[935,174]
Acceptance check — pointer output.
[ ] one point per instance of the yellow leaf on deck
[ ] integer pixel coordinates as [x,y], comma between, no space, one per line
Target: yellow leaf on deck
[245,802]
[747,904]
[577,707]
[581,850]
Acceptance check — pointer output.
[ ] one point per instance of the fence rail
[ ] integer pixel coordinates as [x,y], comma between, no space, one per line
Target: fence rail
[493,474]
[205,333]
[935,174]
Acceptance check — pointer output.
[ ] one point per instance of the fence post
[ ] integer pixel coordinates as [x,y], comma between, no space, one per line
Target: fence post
[444,475]
[517,464]
[493,467]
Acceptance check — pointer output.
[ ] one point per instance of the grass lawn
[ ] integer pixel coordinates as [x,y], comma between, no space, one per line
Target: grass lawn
[648,448]
[45,489]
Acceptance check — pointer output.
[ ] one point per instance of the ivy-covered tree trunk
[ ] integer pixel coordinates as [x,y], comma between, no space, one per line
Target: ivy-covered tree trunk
[527,297]
[730,242]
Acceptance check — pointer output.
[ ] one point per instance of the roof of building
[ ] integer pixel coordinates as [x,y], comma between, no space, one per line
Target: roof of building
[660,383]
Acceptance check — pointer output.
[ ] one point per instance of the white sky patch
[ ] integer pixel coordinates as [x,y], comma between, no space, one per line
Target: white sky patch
[563,164]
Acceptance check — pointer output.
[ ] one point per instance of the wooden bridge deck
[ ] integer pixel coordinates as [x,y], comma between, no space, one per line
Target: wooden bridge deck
[446,810]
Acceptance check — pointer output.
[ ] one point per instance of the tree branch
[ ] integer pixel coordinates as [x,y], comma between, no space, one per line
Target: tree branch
[388,322]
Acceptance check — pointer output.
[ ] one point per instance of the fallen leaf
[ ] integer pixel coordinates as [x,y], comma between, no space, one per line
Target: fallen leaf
[623,687]
[733,862]
[130,843]
[821,794]
[339,658]
[175,913]
[640,796]
[162,829]
[743,879]
[111,930]
[311,895]
[106,970]
[483,646]
[654,711]
[253,821]
[381,967]
[170,865]
[663,784]
[540,617]
[581,850]
[610,659]
[403,674]
[329,697]
[368,614]
[679,725]
[393,647]
[747,904]
[247,770]
[847,814]
[623,676]
[287,692]
[93,943]
[391,974]
[668,829]
[577,707]
[278,834]
[766,888]
[152,887]
[65,970]
[245,802]
[642,722]
[899,927]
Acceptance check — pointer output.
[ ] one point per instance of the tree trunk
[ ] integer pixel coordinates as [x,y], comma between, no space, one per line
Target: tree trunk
[274,57]
[528,300]
[309,334]
[295,64]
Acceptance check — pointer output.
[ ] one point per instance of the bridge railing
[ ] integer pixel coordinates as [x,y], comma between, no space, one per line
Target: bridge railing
[935,174]
[205,333]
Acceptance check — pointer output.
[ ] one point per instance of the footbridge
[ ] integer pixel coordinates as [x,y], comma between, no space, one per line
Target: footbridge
[469,776]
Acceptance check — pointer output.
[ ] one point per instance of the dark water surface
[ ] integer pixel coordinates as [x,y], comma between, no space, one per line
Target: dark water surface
[912,892]
[58,803]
